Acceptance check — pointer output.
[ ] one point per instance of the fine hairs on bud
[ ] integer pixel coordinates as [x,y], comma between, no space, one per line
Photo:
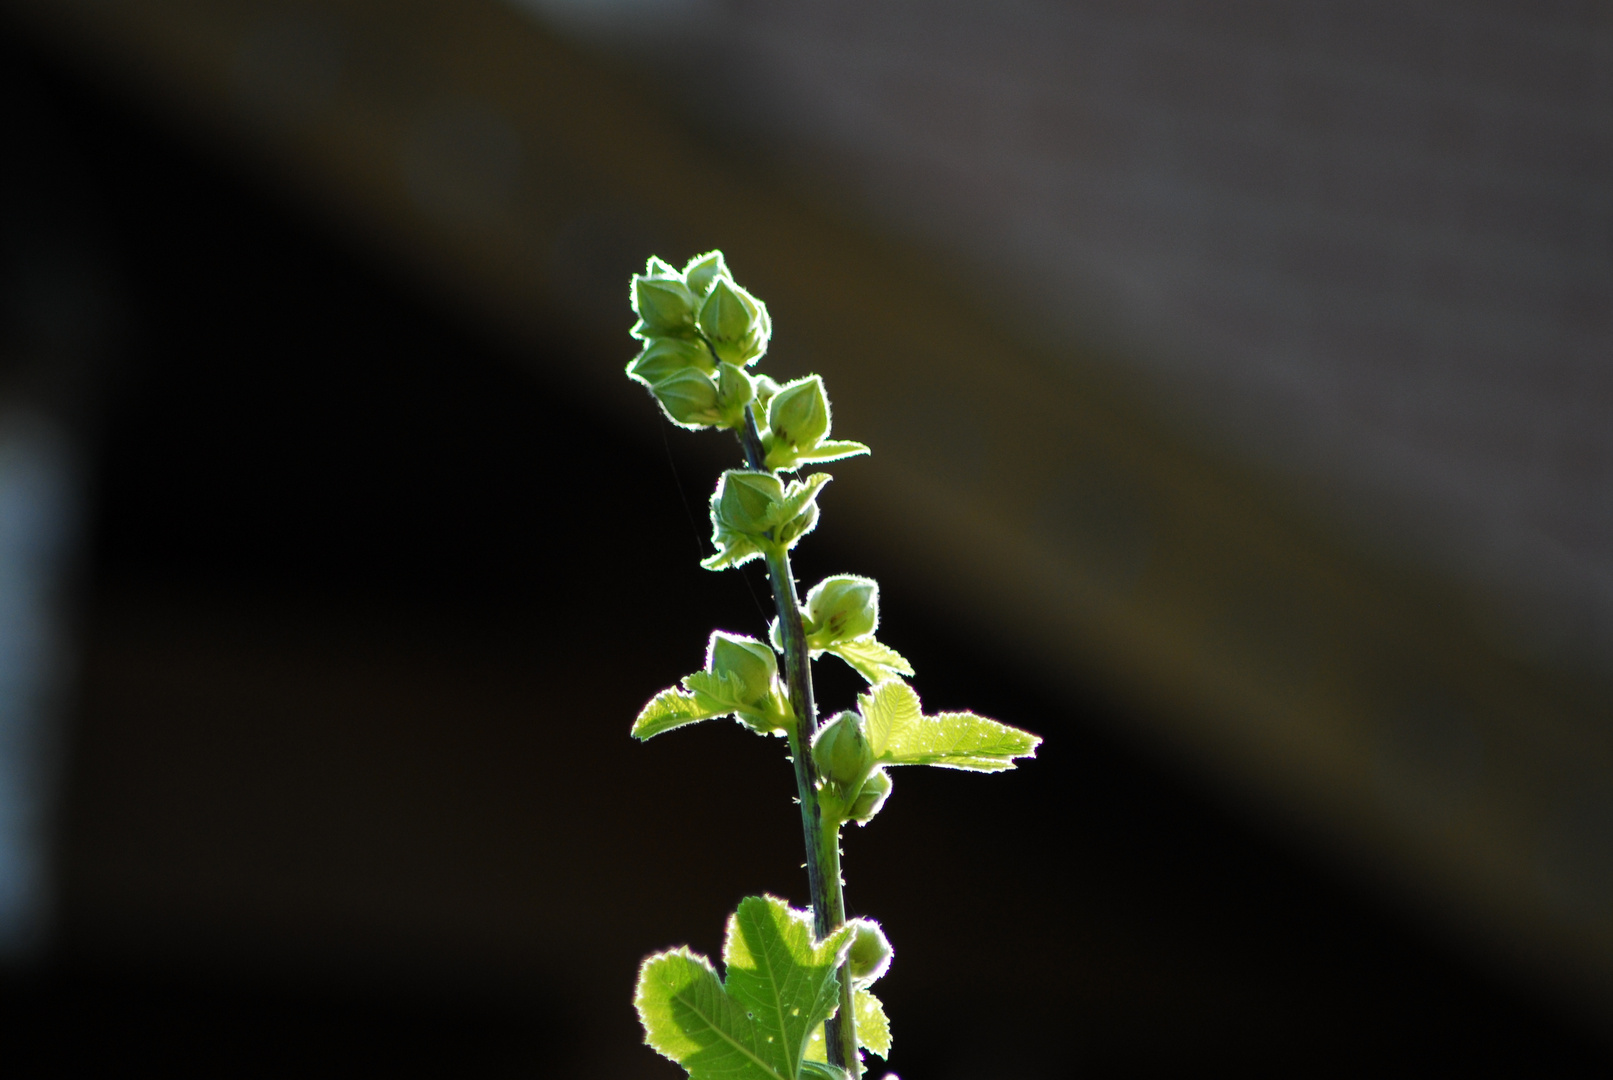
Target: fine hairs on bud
[841,752]
[841,608]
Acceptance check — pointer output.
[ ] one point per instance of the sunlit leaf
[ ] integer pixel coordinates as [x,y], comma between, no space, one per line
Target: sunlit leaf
[754,1025]
[871,659]
[873,1029]
[901,734]
[832,450]
[673,708]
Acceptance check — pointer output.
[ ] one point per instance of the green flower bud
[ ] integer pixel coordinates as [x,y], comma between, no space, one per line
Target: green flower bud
[664,355]
[841,608]
[875,790]
[765,389]
[734,391]
[662,301]
[745,501]
[753,513]
[841,752]
[798,415]
[702,271]
[690,398]
[750,665]
[735,322]
[870,954]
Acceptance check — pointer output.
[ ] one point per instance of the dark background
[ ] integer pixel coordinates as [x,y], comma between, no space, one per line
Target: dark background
[365,612]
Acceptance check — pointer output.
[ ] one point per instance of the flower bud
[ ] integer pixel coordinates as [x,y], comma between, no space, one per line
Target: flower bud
[788,532]
[750,664]
[690,398]
[663,304]
[765,389]
[702,271]
[664,355]
[745,500]
[841,752]
[870,954]
[875,790]
[841,608]
[734,321]
[798,415]
[734,391]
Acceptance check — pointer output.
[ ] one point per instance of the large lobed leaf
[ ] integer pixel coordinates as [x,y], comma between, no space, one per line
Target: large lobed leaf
[901,734]
[755,1025]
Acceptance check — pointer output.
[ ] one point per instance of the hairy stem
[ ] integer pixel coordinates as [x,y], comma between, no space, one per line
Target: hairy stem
[841,1032]
[822,857]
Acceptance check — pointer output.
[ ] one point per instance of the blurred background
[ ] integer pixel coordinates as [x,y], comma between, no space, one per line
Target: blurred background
[1238,383]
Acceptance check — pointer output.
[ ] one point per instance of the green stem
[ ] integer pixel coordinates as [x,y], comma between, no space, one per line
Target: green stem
[822,859]
[842,1031]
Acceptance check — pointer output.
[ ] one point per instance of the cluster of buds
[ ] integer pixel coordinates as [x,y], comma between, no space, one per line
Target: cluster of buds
[700,331]
[853,789]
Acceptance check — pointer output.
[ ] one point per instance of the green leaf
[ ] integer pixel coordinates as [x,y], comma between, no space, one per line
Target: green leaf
[721,695]
[673,708]
[871,659]
[873,1029]
[755,1025]
[740,679]
[901,734]
[734,549]
[831,450]
[822,1070]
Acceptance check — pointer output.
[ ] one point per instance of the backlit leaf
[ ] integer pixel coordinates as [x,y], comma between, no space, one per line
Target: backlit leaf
[673,708]
[901,734]
[755,1024]
[872,659]
[873,1029]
